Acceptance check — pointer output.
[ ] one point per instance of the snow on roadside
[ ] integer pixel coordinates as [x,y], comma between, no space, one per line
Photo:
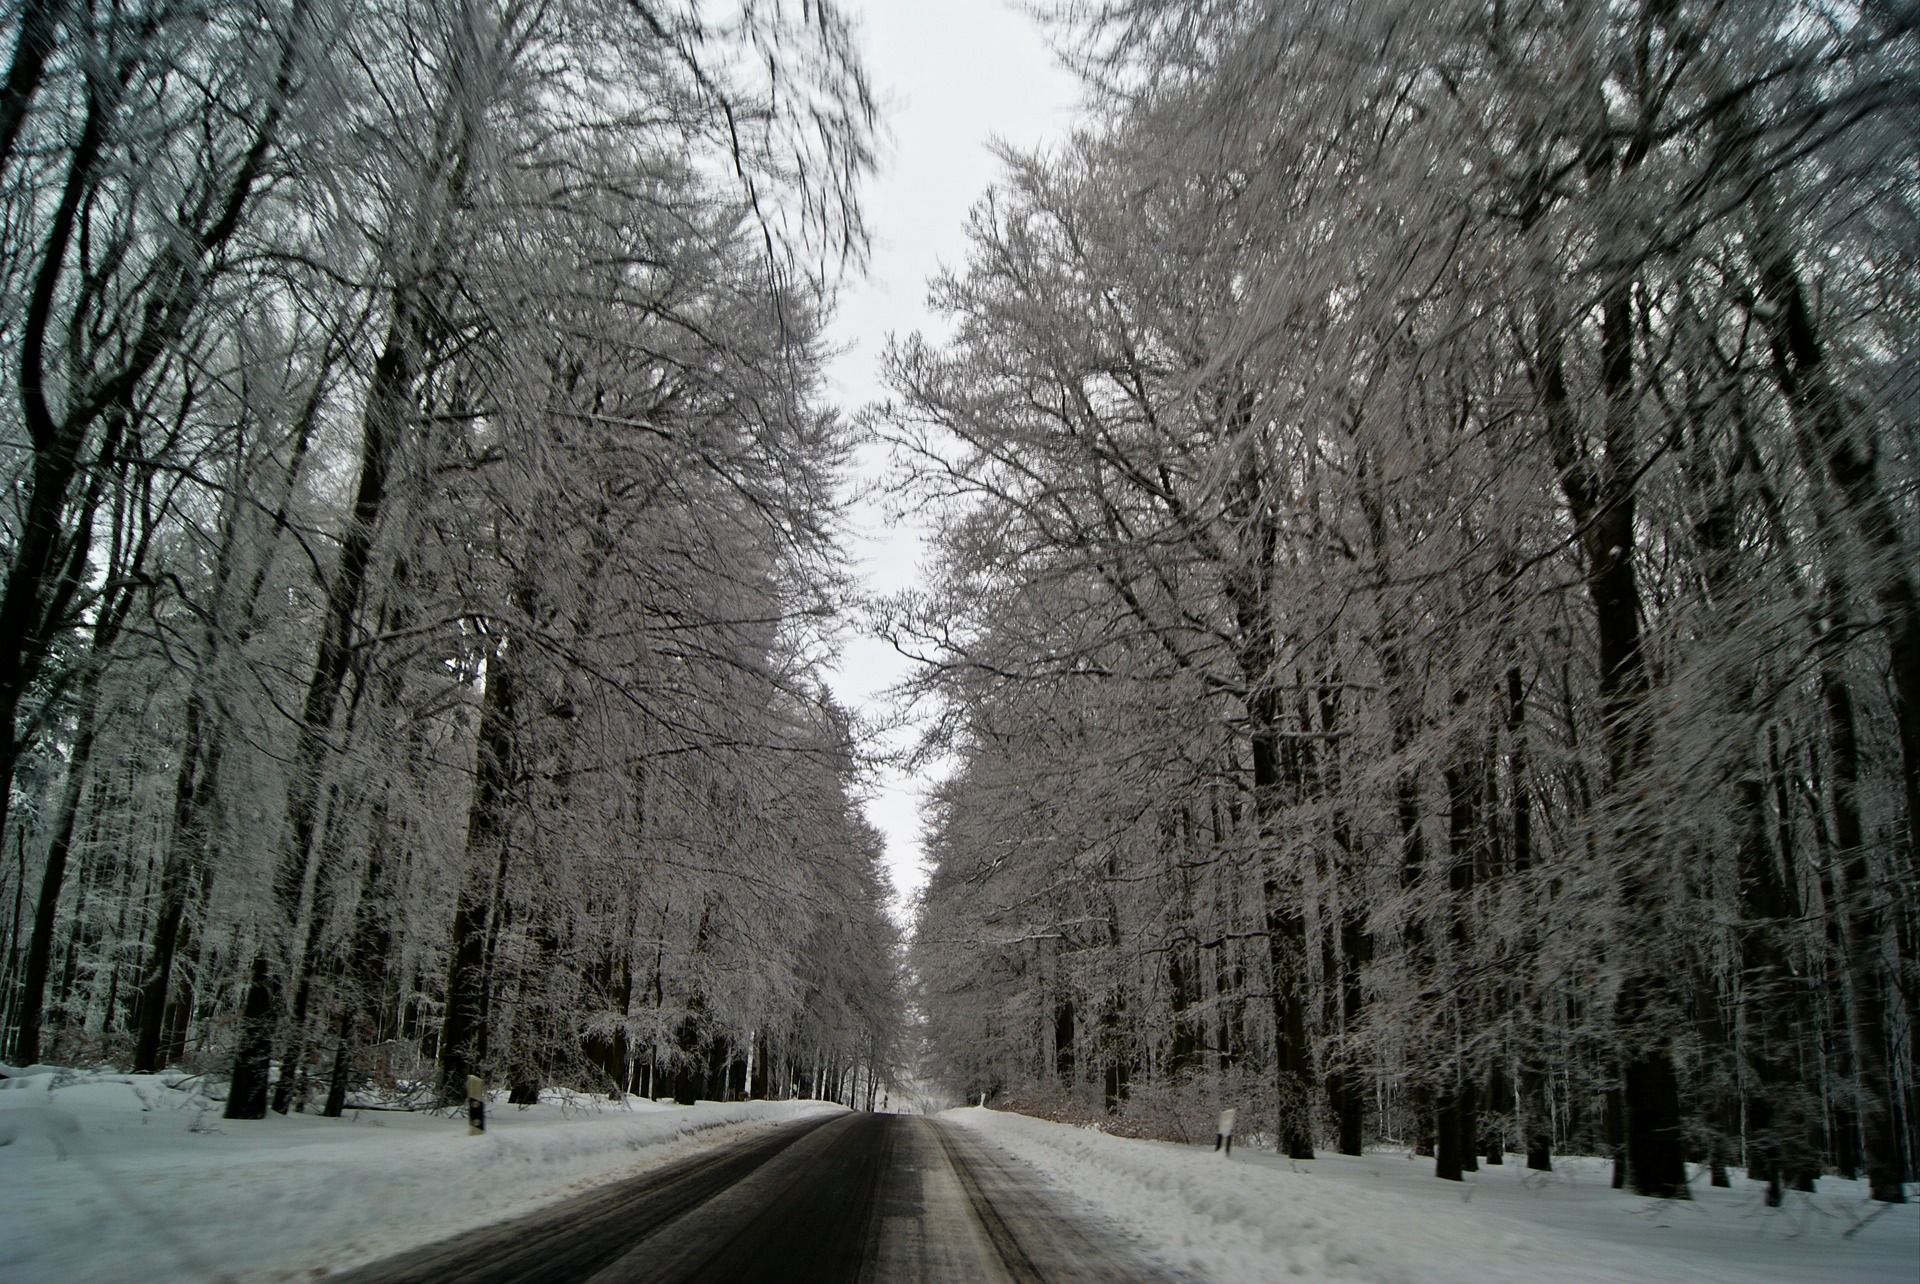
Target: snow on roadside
[1381,1219]
[114,1177]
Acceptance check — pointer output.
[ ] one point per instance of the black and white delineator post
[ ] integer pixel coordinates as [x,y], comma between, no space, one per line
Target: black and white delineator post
[1224,1138]
[476,1104]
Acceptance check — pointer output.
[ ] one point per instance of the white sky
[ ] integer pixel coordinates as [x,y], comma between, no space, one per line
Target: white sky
[951,75]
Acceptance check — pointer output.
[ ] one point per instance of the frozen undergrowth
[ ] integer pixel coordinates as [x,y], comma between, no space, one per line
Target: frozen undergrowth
[112,1177]
[1384,1219]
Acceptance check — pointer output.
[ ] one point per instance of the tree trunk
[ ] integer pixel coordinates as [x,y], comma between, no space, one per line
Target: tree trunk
[43,571]
[1600,497]
[1536,1116]
[38,35]
[179,875]
[336,1103]
[1778,1126]
[463,1035]
[1286,925]
[53,875]
[1536,1119]
[1492,1137]
[247,1092]
[1457,1135]
[1863,926]
[1452,1132]
[1346,1091]
[1819,413]
[1615,1126]
[362,969]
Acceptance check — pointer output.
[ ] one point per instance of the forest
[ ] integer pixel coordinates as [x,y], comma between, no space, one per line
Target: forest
[420,550]
[1421,642]
[1423,622]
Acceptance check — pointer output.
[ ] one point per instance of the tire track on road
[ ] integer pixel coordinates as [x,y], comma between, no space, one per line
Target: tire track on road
[1038,1239]
[833,1199]
[576,1237]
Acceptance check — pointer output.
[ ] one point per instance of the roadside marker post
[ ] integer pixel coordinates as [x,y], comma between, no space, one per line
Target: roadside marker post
[476,1104]
[1224,1138]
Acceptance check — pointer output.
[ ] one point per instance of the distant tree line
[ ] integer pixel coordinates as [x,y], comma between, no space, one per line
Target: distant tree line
[1425,620]
[419,549]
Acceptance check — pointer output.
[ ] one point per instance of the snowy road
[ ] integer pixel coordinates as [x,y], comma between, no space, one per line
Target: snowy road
[848,1197]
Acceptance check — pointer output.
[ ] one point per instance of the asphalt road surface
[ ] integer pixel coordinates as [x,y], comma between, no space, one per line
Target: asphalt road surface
[844,1197]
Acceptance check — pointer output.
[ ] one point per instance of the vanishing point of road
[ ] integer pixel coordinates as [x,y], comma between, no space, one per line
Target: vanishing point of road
[840,1197]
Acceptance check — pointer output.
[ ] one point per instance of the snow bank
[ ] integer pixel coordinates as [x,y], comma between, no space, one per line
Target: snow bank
[114,1177]
[1384,1219]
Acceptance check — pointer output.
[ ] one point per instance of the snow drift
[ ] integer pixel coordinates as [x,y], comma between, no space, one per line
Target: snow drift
[1384,1219]
[111,1177]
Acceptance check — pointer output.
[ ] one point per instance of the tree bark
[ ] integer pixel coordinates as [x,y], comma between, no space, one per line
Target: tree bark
[1863,925]
[43,571]
[1286,928]
[463,1035]
[38,35]
[252,1063]
[1346,1085]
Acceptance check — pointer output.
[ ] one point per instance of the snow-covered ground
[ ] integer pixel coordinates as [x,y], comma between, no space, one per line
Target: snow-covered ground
[114,1177]
[1384,1219]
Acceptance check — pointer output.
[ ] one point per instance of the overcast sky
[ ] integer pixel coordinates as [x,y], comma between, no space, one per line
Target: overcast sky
[952,75]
